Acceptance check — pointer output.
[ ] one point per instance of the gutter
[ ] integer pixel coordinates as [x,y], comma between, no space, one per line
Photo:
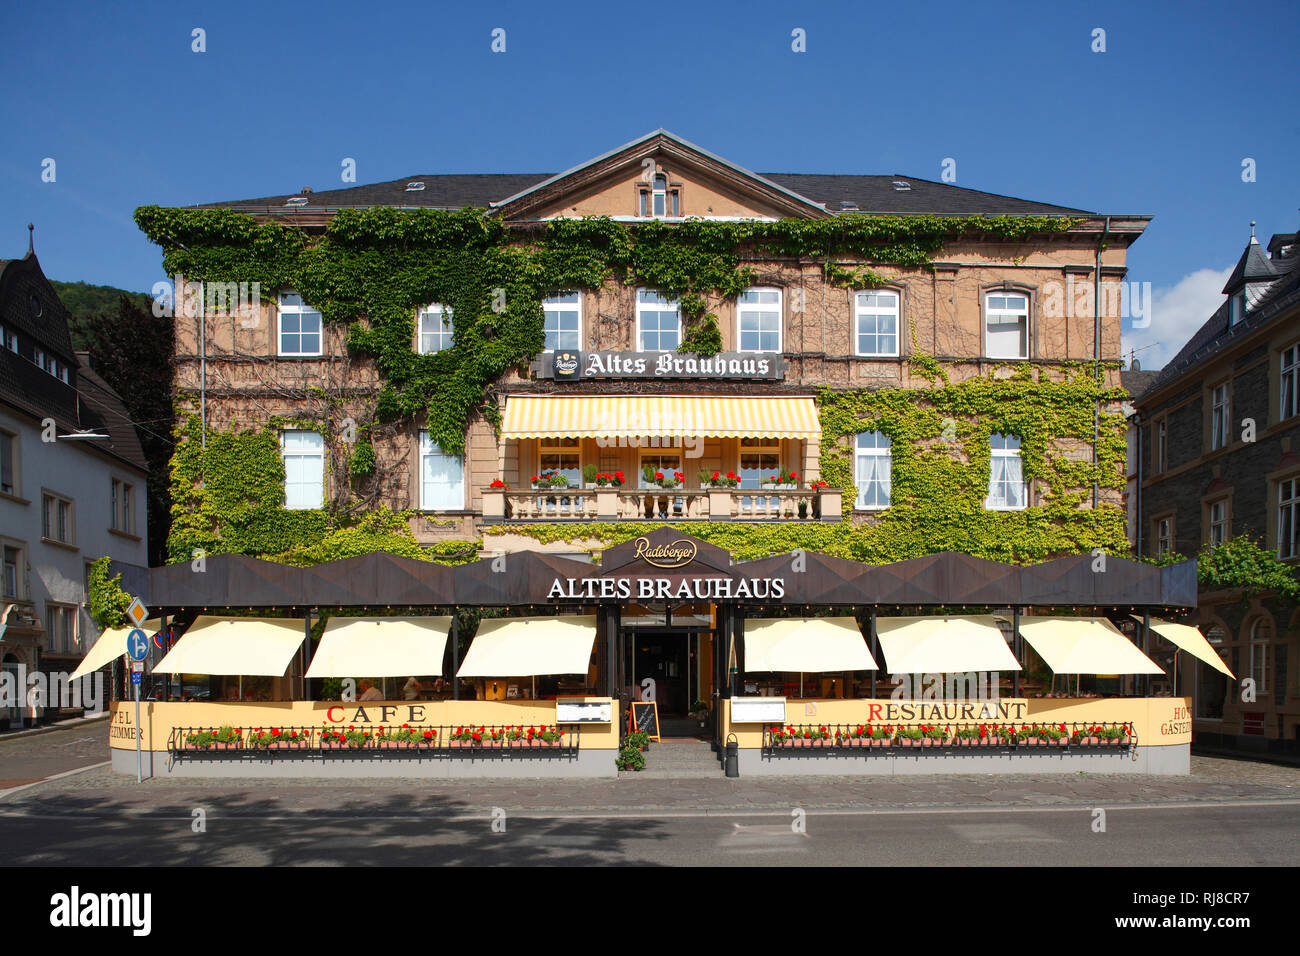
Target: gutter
[1096,349]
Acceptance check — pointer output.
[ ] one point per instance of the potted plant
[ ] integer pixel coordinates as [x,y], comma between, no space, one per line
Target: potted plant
[639,739]
[910,736]
[551,736]
[464,737]
[589,472]
[630,758]
[549,480]
[227,738]
[934,735]
[882,736]
[777,736]
[716,479]
[199,740]
[331,739]
[499,485]
[967,737]
[784,480]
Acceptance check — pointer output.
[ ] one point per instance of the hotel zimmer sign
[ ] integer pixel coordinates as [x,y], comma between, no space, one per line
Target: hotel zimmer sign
[575,366]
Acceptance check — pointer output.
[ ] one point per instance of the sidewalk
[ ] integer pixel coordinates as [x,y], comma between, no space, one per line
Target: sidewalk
[66,723]
[100,791]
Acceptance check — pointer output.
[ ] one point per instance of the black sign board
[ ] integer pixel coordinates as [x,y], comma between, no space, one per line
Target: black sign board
[575,366]
[644,715]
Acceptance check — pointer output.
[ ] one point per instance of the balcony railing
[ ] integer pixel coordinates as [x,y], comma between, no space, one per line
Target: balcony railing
[661,504]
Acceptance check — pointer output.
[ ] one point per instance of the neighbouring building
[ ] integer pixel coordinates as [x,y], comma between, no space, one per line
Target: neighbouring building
[1219,457]
[72,481]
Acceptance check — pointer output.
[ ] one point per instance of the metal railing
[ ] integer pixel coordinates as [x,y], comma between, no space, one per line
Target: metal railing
[414,740]
[918,739]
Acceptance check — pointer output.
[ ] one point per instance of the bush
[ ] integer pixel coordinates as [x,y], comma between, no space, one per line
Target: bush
[630,758]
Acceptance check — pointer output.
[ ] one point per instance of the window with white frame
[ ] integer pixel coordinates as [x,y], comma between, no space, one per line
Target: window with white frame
[1162,445]
[1006,476]
[8,339]
[442,478]
[60,628]
[758,320]
[875,322]
[760,458]
[1261,635]
[304,469]
[38,357]
[1006,325]
[562,319]
[563,456]
[1164,535]
[658,323]
[1290,383]
[1220,419]
[874,463]
[659,200]
[1288,518]
[1218,522]
[300,326]
[8,463]
[12,570]
[1237,309]
[56,518]
[437,328]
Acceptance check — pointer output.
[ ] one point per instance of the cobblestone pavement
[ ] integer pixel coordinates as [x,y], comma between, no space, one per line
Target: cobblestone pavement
[100,790]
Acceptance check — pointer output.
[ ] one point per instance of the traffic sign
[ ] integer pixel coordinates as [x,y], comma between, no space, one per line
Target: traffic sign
[135,677]
[137,667]
[137,613]
[137,645]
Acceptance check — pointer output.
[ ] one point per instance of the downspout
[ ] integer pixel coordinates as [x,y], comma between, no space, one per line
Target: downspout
[203,368]
[1137,491]
[1096,351]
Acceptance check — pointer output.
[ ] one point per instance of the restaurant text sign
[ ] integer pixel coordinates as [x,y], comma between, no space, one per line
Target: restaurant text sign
[578,366]
[663,589]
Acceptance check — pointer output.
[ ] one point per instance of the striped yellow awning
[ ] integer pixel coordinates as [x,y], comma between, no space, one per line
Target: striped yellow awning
[659,416]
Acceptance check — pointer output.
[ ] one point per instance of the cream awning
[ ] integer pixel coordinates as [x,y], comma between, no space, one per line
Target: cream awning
[943,645]
[235,645]
[1085,645]
[111,644]
[381,647]
[1192,641]
[662,416]
[806,645]
[528,646]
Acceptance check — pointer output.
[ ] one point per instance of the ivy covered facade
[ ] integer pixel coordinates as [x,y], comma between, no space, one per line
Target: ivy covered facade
[866,366]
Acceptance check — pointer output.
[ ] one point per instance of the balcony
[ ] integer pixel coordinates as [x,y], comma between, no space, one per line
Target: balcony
[658,504]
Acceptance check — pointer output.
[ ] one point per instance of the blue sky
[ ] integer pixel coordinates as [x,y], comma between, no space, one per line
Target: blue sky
[1157,124]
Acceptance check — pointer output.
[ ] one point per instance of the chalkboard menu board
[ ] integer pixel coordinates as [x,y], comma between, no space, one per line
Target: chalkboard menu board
[644,715]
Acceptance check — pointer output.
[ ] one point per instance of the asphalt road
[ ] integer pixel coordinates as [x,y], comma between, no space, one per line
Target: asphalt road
[1202,836]
[29,757]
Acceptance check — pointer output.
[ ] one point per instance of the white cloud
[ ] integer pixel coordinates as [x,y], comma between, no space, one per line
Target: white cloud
[1177,311]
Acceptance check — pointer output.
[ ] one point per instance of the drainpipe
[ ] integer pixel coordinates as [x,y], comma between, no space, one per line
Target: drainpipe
[1096,349]
[203,368]
[1137,491]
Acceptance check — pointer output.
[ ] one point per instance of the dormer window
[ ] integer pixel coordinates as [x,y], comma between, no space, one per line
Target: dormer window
[1237,308]
[659,201]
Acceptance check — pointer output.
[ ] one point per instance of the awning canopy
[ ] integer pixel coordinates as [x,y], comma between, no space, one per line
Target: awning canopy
[944,645]
[381,647]
[528,646]
[662,416]
[235,645]
[1085,645]
[111,645]
[1192,641]
[806,645]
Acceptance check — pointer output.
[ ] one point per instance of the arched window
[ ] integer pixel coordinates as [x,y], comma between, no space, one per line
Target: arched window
[1006,476]
[874,458]
[1006,325]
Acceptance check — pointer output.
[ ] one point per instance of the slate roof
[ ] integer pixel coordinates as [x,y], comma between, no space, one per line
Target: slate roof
[1253,266]
[1135,382]
[1216,334]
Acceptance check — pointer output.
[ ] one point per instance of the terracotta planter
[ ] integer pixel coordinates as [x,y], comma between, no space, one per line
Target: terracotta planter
[882,741]
[1124,741]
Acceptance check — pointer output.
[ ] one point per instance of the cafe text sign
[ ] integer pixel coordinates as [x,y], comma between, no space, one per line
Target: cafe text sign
[577,366]
[664,589]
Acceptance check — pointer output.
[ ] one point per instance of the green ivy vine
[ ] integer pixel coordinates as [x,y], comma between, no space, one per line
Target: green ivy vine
[108,602]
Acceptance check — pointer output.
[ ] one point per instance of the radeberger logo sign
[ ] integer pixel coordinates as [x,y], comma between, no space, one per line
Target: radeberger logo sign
[672,555]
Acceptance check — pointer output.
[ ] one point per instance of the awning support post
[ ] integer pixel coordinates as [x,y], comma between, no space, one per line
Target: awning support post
[875,651]
[1146,642]
[1015,650]
[455,653]
[305,654]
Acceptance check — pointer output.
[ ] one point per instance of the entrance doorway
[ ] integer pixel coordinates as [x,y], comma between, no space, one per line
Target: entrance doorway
[660,663]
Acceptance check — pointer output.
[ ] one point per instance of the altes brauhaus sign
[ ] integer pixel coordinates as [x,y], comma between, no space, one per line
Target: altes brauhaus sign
[663,589]
[576,366]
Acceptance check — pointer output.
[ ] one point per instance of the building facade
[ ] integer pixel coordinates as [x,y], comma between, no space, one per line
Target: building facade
[619,414]
[72,482]
[1219,460]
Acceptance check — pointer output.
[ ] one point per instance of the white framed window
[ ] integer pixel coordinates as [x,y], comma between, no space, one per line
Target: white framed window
[60,628]
[1164,535]
[1006,476]
[304,469]
[442,478]
[1162,445]
[437,328]
[561,455]
[874,464]
[1006,325]
[56,518]
[300,326]
[1261,635]
[563,321]
[1218,522]
[1288,518]
[8,463]
[8,339]
[1220,417]
[658,322]
[39,358]
[1289,390]
[659,201]
[11,570]
[1237,308]
[758,320]
[875,322]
